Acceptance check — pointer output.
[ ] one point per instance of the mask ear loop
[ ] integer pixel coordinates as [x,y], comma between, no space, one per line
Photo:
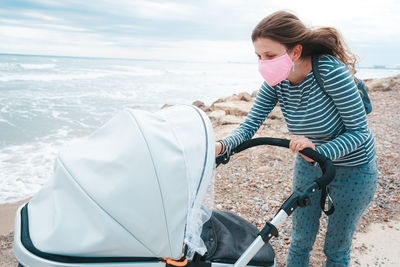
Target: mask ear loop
[287,51]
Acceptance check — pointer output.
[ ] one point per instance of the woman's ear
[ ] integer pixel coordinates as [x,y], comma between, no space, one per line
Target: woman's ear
[296,52]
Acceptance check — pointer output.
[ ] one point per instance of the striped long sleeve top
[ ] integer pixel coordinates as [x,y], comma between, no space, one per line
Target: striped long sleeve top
[334,121]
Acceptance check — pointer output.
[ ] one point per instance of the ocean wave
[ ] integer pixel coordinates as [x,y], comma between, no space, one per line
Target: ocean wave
[37,66]
[7,122]
[77,74]
[25,66]
[132,70]
[135,71]
[25,168]
[10,67]
[51,77]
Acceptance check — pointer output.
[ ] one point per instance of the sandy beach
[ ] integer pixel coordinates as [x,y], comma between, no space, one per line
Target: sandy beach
[7,215]
[256,182]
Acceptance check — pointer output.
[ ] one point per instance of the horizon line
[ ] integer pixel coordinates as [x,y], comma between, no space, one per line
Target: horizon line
[375,66]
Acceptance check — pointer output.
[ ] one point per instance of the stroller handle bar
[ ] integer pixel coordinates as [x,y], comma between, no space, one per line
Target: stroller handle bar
[326,165]
[299,198]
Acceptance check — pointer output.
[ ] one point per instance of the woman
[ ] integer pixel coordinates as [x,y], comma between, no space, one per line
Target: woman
[332,123]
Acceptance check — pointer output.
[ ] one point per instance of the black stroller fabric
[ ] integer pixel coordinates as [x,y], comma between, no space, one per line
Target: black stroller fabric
[227,236]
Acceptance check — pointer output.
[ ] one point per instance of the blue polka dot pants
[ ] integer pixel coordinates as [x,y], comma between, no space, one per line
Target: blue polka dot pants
[351,191]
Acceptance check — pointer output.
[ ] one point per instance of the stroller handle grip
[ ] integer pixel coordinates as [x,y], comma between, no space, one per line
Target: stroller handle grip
[326,165]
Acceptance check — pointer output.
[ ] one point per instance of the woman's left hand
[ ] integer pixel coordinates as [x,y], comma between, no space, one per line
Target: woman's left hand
[298,143]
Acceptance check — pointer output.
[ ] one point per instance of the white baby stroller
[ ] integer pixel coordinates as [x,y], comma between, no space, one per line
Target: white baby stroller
[138,193]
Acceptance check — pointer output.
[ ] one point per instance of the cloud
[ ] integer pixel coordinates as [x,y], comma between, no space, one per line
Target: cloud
[38,15]
[161,10]
[180,29]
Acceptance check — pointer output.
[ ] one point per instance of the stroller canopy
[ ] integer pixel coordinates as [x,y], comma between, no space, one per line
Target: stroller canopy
[133,188]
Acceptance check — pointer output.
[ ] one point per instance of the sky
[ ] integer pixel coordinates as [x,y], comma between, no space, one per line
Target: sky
[190,30]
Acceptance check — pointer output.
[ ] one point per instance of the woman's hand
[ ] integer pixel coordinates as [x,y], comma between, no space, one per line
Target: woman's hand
[298,143]
[219,148]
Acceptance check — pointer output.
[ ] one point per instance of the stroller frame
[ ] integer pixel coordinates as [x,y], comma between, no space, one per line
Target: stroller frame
[299,198]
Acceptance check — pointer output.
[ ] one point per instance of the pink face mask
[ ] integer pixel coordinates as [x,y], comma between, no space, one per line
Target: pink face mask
[275,70]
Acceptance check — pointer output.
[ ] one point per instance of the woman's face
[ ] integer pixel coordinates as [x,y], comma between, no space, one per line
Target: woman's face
[268,49]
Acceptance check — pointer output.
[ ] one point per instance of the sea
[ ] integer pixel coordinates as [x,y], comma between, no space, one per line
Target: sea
[47,102]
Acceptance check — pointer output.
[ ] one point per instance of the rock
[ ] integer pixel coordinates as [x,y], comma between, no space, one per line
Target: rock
[236,108]
[166,106]
[383,84]
[256,199]
[378,85]
[242,158]
[244,96]
[265,207]
[263,169]
[216,115]
[276,114]
[238,97]
[230,119]
[219,100]
[201,105]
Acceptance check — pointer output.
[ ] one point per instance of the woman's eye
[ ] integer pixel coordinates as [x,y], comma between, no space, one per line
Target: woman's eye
[266,57]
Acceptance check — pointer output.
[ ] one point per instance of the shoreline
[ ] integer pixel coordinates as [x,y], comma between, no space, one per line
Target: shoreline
[8,212]
[238,185]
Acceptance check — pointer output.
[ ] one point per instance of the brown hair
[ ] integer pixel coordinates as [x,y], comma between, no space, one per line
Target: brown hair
[289,30]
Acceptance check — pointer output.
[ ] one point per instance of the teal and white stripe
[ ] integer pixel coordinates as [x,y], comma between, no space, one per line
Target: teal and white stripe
[336,124]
